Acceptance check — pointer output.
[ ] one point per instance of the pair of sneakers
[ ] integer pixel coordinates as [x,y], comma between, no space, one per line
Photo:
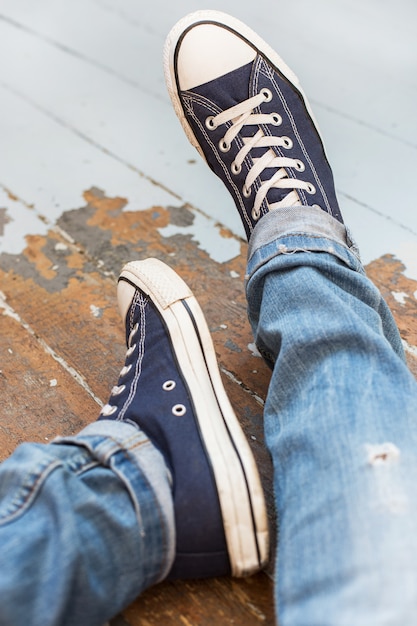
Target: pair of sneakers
[244,111]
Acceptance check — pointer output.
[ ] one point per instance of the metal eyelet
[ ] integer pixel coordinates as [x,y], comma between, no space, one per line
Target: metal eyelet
[311,189]
[125,370]
[246,192]
[256,214]
[210,123]
[169,385]
[117,390]
[276,119]
[179,410]
[224,147]
[236,169]
[288,144]
[267,94]
[108,410]
[299,166]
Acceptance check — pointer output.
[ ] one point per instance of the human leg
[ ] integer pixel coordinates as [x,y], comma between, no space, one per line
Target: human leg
[86,524]
[341,408]
[163,484]
[340,422]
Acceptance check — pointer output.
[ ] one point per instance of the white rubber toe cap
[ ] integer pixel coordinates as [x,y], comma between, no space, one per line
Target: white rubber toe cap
[208,51]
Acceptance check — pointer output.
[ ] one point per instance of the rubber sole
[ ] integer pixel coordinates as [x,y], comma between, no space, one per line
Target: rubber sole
[235,472]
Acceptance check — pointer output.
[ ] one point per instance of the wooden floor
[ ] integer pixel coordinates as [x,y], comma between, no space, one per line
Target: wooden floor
[95,172]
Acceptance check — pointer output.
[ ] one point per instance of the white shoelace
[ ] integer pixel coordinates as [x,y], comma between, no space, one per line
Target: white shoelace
[242,115]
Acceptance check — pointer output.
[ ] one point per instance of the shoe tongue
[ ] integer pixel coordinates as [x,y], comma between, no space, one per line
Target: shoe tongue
[229,89]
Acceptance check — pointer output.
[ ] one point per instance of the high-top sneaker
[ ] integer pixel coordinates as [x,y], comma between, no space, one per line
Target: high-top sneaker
[244,111]
[170,386]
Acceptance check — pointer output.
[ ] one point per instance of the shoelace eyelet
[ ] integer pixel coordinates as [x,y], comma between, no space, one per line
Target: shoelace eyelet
[311,189]
[246,192]
[117,390]
[236,169]
[288,144]
[179,410]
[267,94]
[299,166]
[224,147]
[210,123]
[125,370]
[169,385]
[130,350]
[108,410]
[255,214]
[276,119]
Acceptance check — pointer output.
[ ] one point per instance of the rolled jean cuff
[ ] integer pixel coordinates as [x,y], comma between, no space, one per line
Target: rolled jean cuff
[300,229]
[126,449]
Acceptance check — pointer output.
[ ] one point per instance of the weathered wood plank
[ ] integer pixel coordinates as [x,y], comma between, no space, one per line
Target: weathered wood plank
[40,398]
[67,285]
[218,602]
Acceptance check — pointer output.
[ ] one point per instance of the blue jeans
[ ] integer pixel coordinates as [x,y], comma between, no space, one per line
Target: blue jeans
[341,425]
[87,523]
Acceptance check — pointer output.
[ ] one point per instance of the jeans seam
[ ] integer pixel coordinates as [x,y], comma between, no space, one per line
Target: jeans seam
[28,493]
[98,449]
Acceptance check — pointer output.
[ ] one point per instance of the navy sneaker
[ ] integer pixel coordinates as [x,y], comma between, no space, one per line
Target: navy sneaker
[244,111]
[170,386]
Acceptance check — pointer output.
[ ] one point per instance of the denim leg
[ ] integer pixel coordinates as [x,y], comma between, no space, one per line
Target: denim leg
[86,523]
[340,423]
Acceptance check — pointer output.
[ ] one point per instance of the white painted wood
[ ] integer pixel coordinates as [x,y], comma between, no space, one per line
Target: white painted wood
[83,104]
[49,166]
